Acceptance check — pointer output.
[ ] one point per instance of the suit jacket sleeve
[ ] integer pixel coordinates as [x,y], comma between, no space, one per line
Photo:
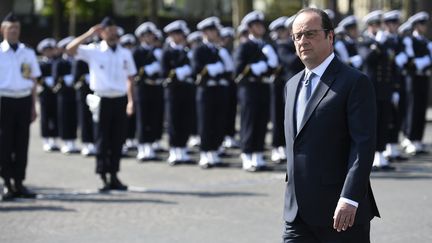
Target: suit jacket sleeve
[361,116]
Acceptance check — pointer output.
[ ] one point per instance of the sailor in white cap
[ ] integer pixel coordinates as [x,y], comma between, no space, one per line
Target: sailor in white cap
[290,64]
[392,44]
[347,47]
[148,92]
[66,98]
[179,91]
[112,69]
[254,60]
[128,41]
[19,71]
[416,47]
[373,23]
[212,92]
[227,36]
[379,66]
[47,98]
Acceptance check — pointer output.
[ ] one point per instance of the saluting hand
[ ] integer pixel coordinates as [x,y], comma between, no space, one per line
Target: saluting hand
[344,216]
[95,30]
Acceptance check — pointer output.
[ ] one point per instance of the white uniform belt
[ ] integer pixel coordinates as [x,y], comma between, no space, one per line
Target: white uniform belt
[15,93]
[110,94]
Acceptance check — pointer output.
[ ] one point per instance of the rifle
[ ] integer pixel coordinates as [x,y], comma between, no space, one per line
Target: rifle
[239,79]
[170,79]
[201,75]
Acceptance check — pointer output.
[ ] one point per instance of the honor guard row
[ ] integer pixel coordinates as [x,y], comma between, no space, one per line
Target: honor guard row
[397,58]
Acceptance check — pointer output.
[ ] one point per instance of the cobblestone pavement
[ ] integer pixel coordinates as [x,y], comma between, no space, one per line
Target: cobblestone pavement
[187,204]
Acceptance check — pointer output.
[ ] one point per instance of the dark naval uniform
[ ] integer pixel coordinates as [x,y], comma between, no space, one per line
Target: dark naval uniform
[211,97]
[178,94]
[80,72]
[48,104]
[66,101]
[148,97]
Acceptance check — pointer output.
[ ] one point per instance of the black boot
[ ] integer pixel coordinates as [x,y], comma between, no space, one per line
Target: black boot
[105,185]
[22,192]
[116,184]
[8,191]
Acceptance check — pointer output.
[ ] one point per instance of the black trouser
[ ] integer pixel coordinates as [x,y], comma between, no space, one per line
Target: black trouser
[277,109]
[417,98]
[149,112]
[397,113]
[230,124]
[383,118]
[180,102]
[254,99]
[211,112]
[67,113]
[48,113]
[110,134]
[85,116]
[15,119]
[300,232]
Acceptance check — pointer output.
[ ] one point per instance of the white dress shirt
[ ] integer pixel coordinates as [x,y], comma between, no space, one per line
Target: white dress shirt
[109,70]
[12,62]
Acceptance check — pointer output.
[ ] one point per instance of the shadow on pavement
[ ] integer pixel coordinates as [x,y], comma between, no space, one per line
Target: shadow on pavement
[8,209]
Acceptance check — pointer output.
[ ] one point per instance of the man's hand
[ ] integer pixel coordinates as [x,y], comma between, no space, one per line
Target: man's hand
[130,109]
[344,216]
[95,30]
[33,114]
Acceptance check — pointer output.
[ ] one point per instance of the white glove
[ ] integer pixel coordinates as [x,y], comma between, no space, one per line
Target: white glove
[68,80]
[152,68]
[215,68]
[272,59]
[93,102]
[401,59]
[183,72]
[356,61]
[259,67]
[49,81]
[422,62]
[395,99]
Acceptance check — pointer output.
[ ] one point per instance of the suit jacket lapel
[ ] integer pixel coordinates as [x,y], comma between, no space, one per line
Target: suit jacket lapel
[320,91]
[291,102]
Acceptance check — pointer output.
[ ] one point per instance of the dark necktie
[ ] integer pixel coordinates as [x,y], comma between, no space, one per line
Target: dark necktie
[14,46]
[113,48]
[303,97]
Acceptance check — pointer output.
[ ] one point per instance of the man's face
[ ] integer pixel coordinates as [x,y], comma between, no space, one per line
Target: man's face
[392,26]
[148,38]
[374,28]
[109,34]
[257,29]
[313,46]
[11,31]
[212,34]
[178,37]
[421,27]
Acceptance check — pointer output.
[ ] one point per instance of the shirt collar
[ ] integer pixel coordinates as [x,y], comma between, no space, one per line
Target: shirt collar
[5,45]
[320,69]
[104,46]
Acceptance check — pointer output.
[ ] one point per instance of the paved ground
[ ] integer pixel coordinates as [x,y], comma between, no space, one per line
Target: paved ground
[187,204]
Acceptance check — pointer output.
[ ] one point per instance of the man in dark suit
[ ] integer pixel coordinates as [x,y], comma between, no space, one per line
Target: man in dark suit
[330,123]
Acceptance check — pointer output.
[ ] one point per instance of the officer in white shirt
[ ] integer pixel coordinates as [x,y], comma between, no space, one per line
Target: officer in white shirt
[112,70]
[19,69]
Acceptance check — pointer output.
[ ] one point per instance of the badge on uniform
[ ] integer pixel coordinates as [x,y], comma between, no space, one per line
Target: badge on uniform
[26,70]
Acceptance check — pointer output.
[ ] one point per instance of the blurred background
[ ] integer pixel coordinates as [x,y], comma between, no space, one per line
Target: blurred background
[60,18]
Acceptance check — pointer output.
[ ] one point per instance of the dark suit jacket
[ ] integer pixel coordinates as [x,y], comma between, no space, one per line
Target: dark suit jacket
[332,153]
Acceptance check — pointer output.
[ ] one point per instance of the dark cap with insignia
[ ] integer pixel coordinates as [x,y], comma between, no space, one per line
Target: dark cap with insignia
[107,21]
[253,17]
[11,17]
